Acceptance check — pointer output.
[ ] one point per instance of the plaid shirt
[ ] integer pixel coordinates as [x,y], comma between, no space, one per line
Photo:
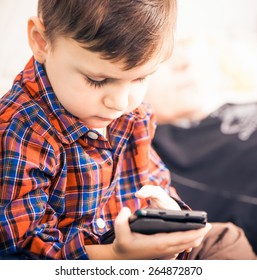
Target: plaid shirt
[57,183]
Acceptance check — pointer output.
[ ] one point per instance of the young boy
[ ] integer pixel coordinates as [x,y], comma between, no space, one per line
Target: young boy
[75,136]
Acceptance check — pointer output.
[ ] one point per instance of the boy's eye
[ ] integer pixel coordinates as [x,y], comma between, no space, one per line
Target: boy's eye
[140,80]
[101,83]
[96,83]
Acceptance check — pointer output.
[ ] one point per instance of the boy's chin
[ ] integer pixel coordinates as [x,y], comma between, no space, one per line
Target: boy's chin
[98,123]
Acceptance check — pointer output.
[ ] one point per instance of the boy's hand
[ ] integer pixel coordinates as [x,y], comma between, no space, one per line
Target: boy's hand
[130,245]
[158,197]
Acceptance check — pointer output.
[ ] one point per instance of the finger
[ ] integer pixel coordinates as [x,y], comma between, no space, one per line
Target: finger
[189,250]
[150,191]
[158,197]
[172,249]
[121,224]
[192,235]
[183,238]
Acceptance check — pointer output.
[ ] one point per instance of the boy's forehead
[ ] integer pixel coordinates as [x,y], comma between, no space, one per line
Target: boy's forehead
[92,63]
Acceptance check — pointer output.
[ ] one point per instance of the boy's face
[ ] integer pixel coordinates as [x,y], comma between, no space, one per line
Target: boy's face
[96,91]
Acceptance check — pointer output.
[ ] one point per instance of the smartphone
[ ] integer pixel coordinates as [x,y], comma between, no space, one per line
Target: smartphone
[150,220]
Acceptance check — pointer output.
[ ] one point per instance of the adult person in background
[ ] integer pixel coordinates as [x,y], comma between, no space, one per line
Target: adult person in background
[207,126]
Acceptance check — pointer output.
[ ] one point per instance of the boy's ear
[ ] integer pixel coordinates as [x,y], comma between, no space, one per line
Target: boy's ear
[37,40]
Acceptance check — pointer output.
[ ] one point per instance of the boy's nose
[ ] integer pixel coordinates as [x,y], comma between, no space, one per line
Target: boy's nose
[118,100]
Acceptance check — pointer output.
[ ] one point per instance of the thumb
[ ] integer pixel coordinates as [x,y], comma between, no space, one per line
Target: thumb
[121,224]
[158,197]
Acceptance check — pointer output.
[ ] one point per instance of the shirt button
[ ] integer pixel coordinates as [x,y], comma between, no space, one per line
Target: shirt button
[92,135]
[100,223]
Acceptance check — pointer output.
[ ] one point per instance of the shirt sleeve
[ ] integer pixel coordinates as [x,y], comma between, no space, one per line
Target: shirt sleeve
[29,171]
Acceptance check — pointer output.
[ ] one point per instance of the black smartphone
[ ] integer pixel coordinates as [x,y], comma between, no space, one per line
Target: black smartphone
[151,220]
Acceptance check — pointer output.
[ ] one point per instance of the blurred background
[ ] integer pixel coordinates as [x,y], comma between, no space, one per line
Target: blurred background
[14,48]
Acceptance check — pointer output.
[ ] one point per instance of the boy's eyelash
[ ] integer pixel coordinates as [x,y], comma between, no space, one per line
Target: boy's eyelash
[96,84]
[99,84]
[141,79]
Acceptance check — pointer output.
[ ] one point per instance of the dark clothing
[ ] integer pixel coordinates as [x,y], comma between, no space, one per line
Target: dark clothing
[213,164]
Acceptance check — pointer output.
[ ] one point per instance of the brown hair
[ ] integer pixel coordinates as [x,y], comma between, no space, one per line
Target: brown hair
[121,30]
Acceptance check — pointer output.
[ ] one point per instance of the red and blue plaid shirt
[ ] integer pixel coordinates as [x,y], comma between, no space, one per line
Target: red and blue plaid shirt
[56,182]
